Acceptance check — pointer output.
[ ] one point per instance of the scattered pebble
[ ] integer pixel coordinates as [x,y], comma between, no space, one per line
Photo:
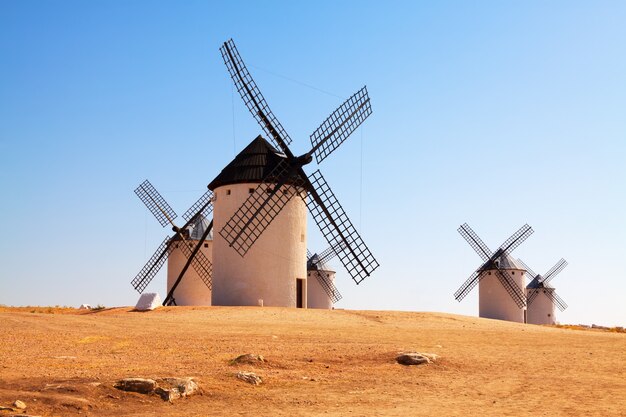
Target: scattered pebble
[248,358]
[415,358]
[20,405]
[250,378]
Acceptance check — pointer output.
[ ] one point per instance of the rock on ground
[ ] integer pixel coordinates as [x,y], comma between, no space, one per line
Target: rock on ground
[21,405]
[250,377]
[168,389]
[171,389]
[140,385]
[415,358]
[248,358]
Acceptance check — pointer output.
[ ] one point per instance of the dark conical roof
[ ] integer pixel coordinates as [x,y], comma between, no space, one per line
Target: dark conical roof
[537,282]
[504,261]
[251,165]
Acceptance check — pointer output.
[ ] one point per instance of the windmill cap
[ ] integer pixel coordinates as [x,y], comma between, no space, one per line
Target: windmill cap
[505,261]
[251,165]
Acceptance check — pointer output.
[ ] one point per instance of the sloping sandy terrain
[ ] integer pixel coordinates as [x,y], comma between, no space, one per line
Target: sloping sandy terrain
[335,363]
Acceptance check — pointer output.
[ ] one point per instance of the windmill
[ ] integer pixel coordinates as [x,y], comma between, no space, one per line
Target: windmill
[541,297]
[501,278]
[183,249]
[321,290]
[274,189]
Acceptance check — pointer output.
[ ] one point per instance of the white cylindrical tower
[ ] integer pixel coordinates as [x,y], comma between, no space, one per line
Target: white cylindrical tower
[541,308]
[191,291]
[317,296]
[494,302]
[273,271]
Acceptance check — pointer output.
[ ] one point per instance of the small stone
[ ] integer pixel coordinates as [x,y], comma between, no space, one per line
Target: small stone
[3,408]
[414,358]
[20,405]
[140,385]
[169,394]
[249,377]
[248,358]
[171,389]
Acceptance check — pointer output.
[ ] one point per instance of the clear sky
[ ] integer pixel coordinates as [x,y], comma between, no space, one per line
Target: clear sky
[495,113]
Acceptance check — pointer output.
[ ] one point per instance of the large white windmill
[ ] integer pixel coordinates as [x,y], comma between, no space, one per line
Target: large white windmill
[261,202]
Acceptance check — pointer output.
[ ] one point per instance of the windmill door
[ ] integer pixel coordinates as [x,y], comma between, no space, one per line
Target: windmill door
[299,293]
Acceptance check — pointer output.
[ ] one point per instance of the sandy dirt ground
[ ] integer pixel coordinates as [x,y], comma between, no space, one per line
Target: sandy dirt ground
[336,363]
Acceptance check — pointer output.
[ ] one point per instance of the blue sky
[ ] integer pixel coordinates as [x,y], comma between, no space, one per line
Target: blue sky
[492,113]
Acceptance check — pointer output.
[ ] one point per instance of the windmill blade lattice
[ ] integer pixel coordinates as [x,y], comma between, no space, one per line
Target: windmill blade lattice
[329,287]
[511,287]
[202,206]
[336,227]
[558,301]
[531,297]
[152,267]
[516,239]
[330,252]
[475,242]
[468,285]
[200,264]
[156,203]
[252,97]
[554,271]
[340,124]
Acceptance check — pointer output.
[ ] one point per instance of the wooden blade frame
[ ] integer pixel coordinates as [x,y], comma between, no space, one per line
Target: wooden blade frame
[516,293]
[468,285]
[152,267]
[252,97]
[340,124]
[337,228]
[203,206]
[156,203]
[554,271]
[475,242]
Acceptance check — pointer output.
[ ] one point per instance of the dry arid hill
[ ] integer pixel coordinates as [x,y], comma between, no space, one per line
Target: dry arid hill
[64,362]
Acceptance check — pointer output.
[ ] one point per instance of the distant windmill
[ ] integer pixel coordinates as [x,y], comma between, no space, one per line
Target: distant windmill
[278,177]
[501,278]
[321,289]
[183,249]
[541,297]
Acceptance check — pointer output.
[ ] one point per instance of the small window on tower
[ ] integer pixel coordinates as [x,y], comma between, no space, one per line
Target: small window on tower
[301,237]
[512,272]
[206,245]
[250,190]
[227,192]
